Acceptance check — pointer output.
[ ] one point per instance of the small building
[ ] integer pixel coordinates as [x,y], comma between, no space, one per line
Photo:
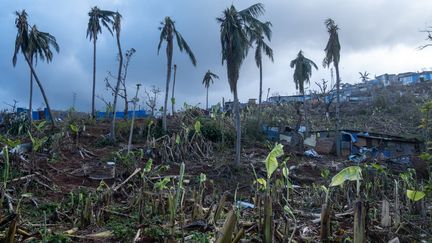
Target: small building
[380,145]
[287,99]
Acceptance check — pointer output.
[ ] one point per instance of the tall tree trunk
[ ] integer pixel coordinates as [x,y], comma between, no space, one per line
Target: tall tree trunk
[207,99]
[112,134]
[305,114]
[260,96]
[94,79]
[238,128]
[126,106]
[133,119]
[169,53]
[338,120]
[172,96]
[31,92]
[41,89]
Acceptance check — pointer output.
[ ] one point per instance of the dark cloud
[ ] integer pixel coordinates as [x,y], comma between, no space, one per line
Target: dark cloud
[378,36]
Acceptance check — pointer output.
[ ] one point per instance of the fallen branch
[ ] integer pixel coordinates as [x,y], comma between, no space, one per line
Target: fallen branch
[137,170]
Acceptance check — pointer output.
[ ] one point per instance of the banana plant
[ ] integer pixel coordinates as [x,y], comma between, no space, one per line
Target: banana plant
[415,195]
[6,172]
[271,165]
[352,173]
[37,144]
[75,129]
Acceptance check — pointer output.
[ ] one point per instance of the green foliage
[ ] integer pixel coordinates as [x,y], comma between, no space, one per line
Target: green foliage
[199,237]
[415,195]
[6,168]
[129,159]
[262,182]
[37,143]
[16,123]
[148,166]
[271,162]
[48,237]
[123,127]
[74,128]
[162,184]
[156,232]
[352,173]
[197,127]
[325,173]
[122,227]
[12,143]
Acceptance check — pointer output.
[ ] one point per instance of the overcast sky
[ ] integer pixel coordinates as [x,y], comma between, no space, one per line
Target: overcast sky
[377,36]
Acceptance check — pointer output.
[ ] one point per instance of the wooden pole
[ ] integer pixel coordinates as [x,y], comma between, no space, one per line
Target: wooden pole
[359,222]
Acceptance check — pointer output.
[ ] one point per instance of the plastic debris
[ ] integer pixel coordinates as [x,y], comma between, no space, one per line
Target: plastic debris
[312,153]
[241,204]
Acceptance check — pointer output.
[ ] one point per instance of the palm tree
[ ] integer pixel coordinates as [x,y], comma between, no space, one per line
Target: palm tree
[236,28]
[172,95]
[168,33]
[207,80]
[302,73]
[117,28]
[332,51]
[261,46]
[364,77]
[96,18]
[34,43]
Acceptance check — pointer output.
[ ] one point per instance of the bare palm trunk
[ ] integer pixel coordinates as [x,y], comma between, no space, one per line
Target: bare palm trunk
[31,92]
[112,134]
[126,108]
[172,95]
[338,120]
[41,89]
[260,96]
[133,119]
[207,99]
[169,52]
[238,128]
[94,79]
[305,114]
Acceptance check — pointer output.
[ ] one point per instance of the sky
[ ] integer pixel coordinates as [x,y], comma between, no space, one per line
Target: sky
[377,36]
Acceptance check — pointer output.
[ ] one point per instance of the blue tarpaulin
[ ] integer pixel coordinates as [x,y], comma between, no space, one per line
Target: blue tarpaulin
[120,114]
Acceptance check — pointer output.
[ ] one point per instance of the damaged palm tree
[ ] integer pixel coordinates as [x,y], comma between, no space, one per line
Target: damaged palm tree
[34,42]
[332,52]
[117,29]
[97,19]
[168,33]
[135,101]
[235,34]
[207,80]
[302,73]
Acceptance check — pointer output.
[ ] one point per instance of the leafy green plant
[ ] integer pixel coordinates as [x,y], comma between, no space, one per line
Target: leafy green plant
[5,174]
[352,173]
[325,173]
[271,165]
[37,144]
[75,129]
[415,195]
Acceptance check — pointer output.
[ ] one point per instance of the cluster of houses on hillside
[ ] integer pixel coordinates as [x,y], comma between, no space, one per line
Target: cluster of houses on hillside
[352,92]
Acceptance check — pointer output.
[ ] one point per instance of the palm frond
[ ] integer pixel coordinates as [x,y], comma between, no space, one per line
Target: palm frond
[333,47]
[183,45]
[253,11]
[303,70]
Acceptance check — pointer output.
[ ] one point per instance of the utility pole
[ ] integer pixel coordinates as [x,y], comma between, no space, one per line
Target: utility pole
[135,101]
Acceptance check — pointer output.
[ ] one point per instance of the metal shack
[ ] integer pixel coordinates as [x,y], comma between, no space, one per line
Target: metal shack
[357,142]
